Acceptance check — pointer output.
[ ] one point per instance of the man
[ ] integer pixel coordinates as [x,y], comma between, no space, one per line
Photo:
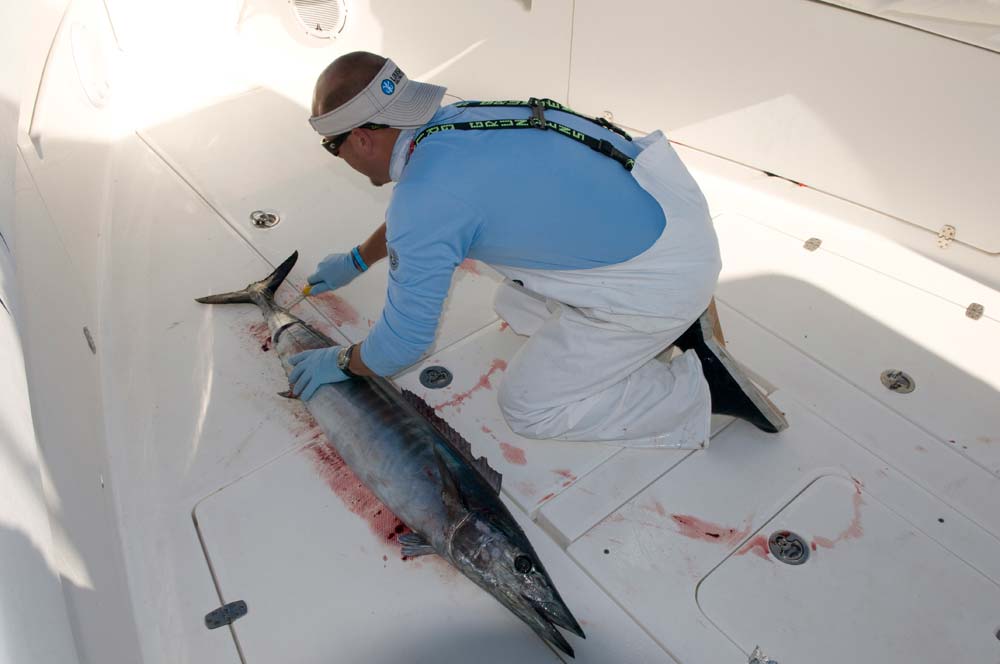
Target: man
[609,253]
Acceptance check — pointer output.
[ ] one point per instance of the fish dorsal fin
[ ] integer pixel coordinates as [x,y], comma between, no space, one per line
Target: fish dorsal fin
[457,441]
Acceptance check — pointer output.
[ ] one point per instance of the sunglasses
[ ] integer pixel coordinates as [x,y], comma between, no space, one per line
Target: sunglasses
[332,143]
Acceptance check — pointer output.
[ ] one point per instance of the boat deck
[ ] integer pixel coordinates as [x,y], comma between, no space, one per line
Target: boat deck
[226,492]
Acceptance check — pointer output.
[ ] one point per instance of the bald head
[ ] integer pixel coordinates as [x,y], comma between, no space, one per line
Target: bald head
[343,79]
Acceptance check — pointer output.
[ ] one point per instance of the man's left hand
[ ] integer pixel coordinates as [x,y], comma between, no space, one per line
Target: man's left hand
[314,368]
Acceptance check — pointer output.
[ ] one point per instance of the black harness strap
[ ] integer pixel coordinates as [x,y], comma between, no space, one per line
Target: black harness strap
[539,121]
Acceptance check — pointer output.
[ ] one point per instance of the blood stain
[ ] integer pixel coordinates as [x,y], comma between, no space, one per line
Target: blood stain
[484,382]
[504,325]
[706,531]
[527,488]
[655,507]
[546,497]
[336,308]
[355,495]
[513,454]
[470,266]
[260,332]
[568,477]
[758,545]
[854,529]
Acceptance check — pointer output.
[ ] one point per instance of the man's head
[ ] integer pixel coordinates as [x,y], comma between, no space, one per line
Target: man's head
[360,91]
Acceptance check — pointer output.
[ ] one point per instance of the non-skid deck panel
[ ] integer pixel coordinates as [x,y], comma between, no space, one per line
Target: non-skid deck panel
[899,445]
[323,579]
[879,591]
[534,471]
[651,554]
[933,464]
[190,393]
[325,207]
[595,495]
[859,323]
[906,253]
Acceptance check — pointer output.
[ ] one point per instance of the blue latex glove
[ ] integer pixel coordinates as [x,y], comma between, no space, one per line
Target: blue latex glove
[334,271]
[314,368]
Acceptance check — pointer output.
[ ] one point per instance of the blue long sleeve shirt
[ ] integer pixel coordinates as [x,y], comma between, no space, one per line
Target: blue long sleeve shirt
[516,197]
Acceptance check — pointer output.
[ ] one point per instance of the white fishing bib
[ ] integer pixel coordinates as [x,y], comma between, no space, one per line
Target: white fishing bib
[588,371]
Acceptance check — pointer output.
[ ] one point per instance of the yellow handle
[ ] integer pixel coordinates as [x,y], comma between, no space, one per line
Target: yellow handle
[307,290]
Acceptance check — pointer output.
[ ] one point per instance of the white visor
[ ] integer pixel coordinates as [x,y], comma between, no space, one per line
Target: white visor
[390,99]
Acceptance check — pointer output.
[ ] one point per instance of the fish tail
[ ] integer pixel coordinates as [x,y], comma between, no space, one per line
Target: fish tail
[265,288]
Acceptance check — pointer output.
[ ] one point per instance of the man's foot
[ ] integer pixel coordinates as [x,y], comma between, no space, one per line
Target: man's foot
[732,392]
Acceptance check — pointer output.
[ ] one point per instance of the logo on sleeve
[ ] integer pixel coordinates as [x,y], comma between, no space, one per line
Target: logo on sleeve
[393,259]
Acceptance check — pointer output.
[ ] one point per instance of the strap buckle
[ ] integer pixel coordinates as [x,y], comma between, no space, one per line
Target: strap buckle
[604,122]
[537,114]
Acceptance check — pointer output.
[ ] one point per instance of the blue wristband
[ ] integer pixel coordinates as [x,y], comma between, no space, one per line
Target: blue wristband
[358,261]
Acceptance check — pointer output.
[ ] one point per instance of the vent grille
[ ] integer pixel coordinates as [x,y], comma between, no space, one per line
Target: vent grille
[321,18]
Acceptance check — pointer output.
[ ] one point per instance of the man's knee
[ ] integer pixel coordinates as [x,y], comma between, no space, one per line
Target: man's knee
[527,419]
[521,417]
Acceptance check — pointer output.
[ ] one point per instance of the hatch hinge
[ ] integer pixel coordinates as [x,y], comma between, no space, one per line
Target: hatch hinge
[946,235]
[226,615]
[758,657]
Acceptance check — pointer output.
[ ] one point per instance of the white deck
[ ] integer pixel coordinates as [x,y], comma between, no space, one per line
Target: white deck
[220,490]
[319,578]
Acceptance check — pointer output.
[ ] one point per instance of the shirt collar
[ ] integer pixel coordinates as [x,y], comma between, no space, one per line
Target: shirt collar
[400,153]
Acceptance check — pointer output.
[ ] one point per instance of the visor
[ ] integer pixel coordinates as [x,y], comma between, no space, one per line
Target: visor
[390,99]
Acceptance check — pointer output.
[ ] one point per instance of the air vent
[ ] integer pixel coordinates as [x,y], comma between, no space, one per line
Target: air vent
[321,18]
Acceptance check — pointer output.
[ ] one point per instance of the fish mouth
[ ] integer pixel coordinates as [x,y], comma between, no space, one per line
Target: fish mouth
[544,617]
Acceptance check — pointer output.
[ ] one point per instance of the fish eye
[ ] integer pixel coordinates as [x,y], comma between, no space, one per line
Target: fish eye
[522,564]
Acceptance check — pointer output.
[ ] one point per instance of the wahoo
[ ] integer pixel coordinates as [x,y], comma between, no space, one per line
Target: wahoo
[423,471]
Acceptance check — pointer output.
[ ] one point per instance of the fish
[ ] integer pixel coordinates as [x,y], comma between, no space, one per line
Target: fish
[423,471]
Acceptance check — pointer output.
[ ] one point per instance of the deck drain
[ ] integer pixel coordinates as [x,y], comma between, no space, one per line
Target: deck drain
[788,547]
[265,218]
[435,377]
[898,381]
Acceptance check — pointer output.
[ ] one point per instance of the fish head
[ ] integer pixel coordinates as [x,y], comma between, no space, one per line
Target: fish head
[492,550]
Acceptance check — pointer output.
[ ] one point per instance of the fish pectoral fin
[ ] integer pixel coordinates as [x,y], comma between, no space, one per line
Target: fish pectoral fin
[415,545]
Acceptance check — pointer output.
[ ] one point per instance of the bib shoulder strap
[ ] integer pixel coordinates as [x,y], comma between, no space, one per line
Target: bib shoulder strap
[537,121]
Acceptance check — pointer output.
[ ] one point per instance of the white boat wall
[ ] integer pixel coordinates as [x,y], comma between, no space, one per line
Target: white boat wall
[150,475]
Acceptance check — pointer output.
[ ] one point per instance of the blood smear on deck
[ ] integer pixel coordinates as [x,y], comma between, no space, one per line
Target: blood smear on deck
[758,545]
[355,495]
[336,308]
[484,382]
[513,454]
[260,332]
[695,528]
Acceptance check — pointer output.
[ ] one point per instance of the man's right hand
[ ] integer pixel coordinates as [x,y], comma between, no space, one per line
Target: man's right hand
[334,271]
